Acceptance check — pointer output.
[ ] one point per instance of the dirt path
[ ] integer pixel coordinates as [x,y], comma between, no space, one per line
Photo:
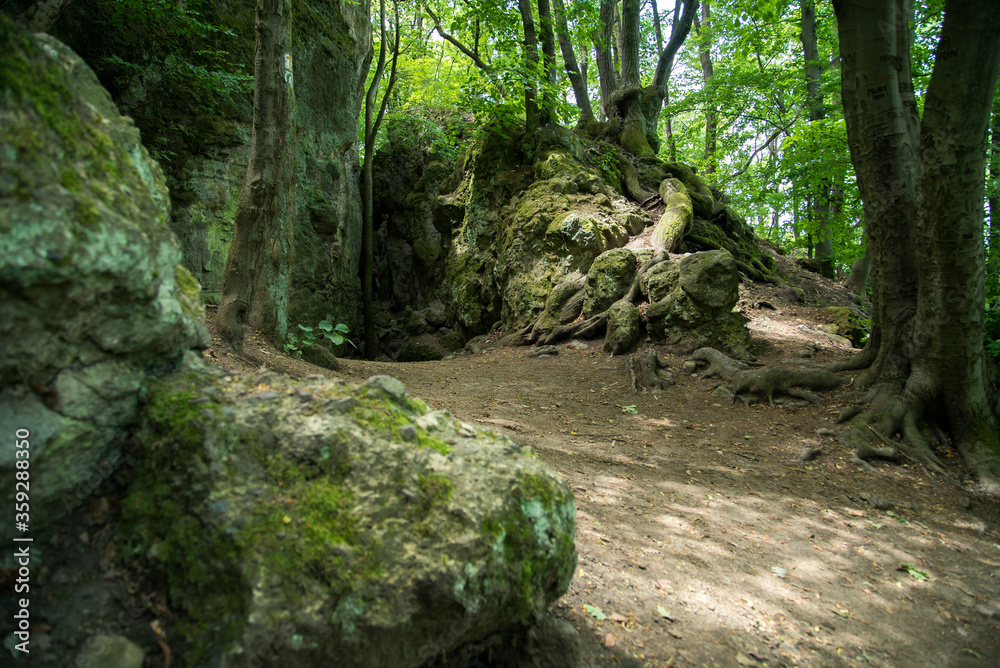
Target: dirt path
[705,539]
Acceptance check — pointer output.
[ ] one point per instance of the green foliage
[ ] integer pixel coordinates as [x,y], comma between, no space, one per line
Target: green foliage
[179,69]
[630,410]
[295,344]
[436,132]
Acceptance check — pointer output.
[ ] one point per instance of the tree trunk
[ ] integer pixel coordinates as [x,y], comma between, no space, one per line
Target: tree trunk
[547,35]
[993,257]
[820,210]
[576,77]
[704,30]
[922,184]
[255,280]
[41,15]
[638,108]
[605,65]
[532,116]
[372,124]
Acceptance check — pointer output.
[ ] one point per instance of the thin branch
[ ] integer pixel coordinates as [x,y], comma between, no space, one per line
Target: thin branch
[774,135]
[458,45]
[678,33]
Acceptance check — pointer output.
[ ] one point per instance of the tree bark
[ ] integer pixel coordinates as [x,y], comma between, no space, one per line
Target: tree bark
[255,280]
[41,15]
[372,123]
[703,29]
[820,209]
[573,72]
[922,184]
[532,114]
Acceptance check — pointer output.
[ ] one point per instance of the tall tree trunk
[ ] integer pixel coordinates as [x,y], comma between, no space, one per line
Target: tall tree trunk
[532,114]
[41,15]
[255,280]
[922,184]
[993,257]
[547,36]
[372,123]
[704,30]
[576,76]
[820,210]
[603,41]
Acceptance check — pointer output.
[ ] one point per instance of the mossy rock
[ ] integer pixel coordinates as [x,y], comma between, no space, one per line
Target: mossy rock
[847,324]
[413,350]
[624,327]
[349,521]
[94,304]
[608,280]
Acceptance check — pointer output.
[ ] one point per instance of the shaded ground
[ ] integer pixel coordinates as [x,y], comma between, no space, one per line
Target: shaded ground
[704,539]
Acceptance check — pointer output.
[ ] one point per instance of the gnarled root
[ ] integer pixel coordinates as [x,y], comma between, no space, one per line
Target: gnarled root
[565,304]
[769,380]
[649,371]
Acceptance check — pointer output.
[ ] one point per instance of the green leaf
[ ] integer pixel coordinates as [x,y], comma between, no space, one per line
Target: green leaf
[594,612]
[912,570]
[342,328]
[325,325]
[305,329]
[631,410]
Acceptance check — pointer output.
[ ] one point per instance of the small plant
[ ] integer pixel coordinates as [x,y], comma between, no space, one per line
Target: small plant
[334,333]
[630,410]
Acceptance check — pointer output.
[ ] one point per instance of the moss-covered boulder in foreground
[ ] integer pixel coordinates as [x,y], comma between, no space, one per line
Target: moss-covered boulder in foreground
[93,301]
[304,522]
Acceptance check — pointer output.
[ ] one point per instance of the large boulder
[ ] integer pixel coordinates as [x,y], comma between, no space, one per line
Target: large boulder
[691,303]
[93,300]
[303,520]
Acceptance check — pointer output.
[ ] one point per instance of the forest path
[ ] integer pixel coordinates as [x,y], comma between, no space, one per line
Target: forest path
[704,538]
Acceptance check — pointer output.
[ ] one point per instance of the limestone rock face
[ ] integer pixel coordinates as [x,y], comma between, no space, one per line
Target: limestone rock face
[342,521]
[93,301]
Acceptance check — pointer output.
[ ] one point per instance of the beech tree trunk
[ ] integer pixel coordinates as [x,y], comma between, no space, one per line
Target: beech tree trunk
[993,256]
[922,182]
[819,210]
[255,280]
[704,31]
[576,78]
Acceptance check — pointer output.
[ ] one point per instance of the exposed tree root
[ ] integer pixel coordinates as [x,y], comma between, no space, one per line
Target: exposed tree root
[769,380]
[556,322]
[649,371]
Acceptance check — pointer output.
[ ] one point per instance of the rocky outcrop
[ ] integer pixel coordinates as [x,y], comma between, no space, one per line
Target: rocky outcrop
[93,300]
[342,521]
[202,137]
